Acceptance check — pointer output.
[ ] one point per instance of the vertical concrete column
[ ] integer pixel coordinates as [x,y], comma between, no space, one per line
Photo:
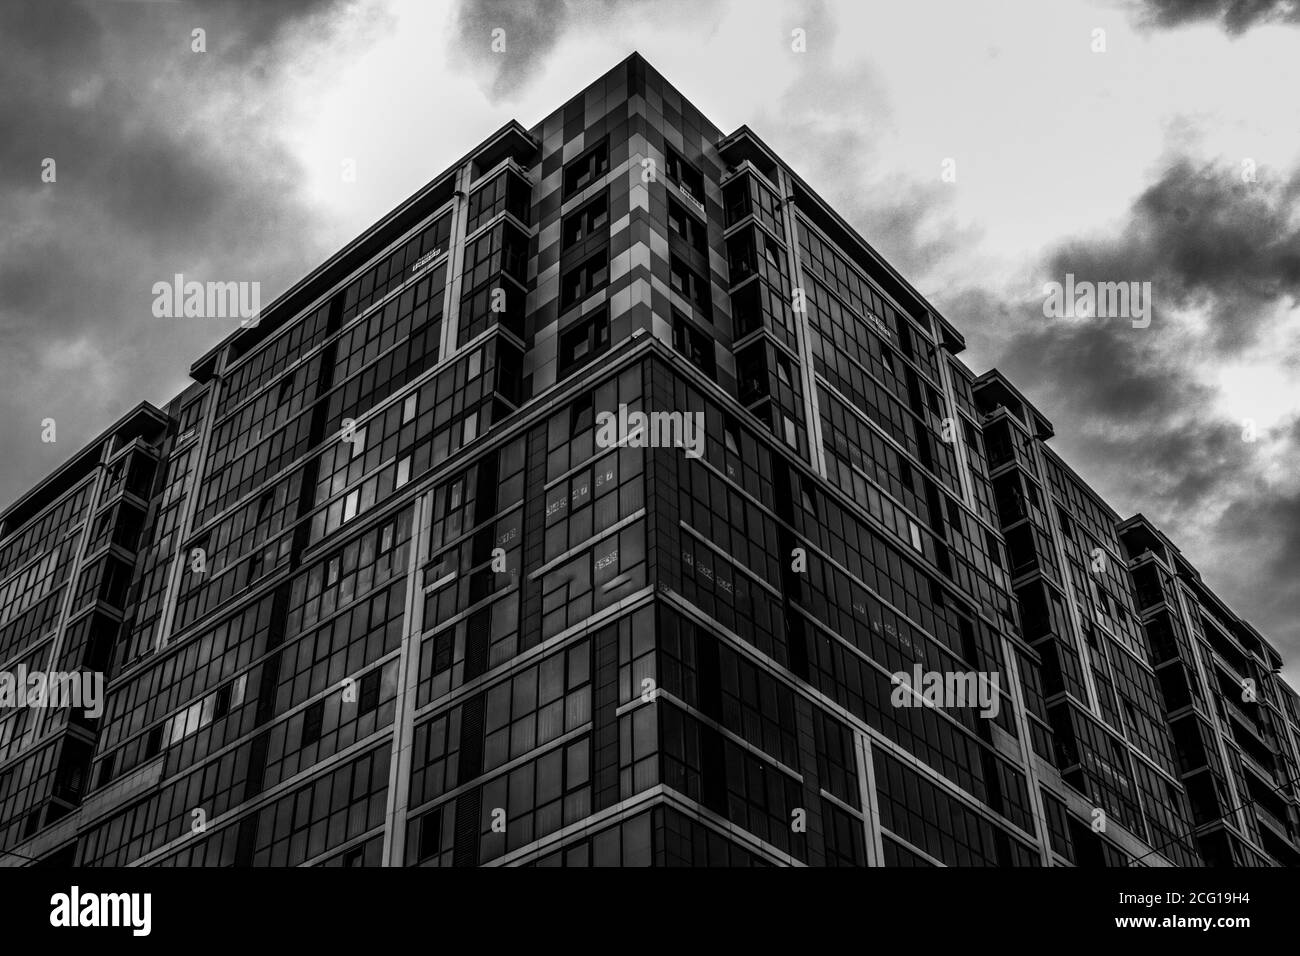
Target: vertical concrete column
[803,331]
[1235,801]
[45,714]
[167,615]
[870,802]
[1027,752]
[408,679]
[958,435]
[455,265]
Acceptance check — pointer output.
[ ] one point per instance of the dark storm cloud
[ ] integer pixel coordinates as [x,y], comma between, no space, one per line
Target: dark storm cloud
[166,161]
[1132,407]
[1105,366]
[1236,16]
[1204,238]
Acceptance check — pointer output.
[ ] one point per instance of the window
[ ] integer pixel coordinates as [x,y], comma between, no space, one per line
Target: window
[403,471]
[808,495]
[350,504]
[731,435]
[409,407]
[583,280]
[221,706]
[506,192]
[430,834]
[687,226]
[369,697]
[694,344]
[311,723]
[377,280]
[582,415]
[686,176]
[586,222]
[582,342]
[791,433]
[586,169]
[502,249]
[783,370]
[994,551]
[684,279]
[190,415]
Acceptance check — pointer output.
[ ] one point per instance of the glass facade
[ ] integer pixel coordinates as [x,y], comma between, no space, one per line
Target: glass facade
[385,586]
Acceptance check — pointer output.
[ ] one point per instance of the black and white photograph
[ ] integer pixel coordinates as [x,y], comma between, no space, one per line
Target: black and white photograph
[693,434]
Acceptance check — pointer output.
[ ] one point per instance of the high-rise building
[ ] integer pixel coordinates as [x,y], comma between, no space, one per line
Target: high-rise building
[611,501]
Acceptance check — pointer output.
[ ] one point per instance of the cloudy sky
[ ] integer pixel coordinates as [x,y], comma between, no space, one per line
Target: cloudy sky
[1139,140]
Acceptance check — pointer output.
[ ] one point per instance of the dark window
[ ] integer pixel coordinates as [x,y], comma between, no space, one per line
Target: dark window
[582,415]
[687,226]
[695,344]
[684,279]
[995,552]
[190,415]
[684,174]
[582,342]
[731,434]
[586,169]
[582,280]
[221,706]
[503,248]
[506,192]
[369,699]
[430,834]
[255,567]
[586,222]
[315,717]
